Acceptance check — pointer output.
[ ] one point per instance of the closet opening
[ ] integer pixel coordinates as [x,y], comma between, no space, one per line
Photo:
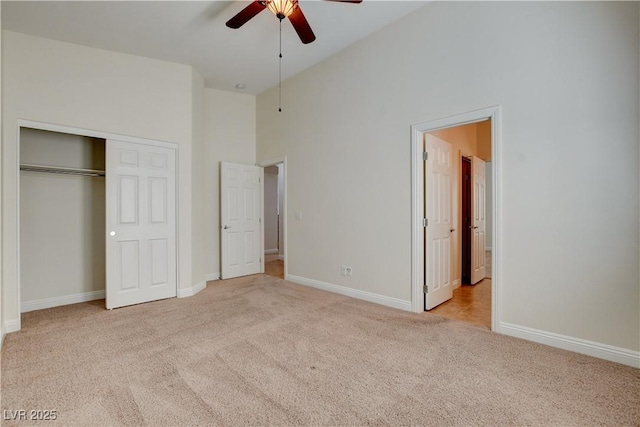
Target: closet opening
[96,218]
[62,219]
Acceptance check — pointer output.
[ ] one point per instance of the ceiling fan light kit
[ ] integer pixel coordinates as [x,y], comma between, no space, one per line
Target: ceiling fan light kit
[281,9]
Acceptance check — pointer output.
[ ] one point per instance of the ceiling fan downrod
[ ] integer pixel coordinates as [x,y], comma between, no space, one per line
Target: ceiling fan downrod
[281,9]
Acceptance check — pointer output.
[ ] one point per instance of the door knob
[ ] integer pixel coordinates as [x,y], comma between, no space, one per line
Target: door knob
[452,230]
[225,227]
[112,233]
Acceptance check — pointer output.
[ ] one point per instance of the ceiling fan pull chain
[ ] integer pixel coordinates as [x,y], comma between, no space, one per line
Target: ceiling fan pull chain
[280,72]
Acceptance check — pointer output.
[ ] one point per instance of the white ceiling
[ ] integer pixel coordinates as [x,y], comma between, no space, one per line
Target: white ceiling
[194,33]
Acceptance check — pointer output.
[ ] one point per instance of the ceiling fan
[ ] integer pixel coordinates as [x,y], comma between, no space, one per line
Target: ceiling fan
[282,9]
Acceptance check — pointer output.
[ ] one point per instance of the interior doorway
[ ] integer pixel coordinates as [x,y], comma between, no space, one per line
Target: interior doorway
[274,219]
[471,248]
[474,140]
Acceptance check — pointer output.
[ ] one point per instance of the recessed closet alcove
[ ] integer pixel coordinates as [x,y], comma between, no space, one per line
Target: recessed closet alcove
[62,219]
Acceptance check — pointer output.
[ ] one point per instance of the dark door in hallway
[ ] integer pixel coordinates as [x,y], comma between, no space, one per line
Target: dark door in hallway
[466,220]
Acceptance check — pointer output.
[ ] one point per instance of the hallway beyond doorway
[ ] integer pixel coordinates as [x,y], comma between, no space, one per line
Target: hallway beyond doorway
[273,266]
[470,303]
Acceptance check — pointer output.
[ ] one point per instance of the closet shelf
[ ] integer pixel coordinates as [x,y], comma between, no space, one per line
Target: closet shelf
[61,170]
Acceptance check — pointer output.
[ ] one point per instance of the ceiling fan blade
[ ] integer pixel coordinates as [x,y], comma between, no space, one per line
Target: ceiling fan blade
[246,14]
[346,1]
[301,26]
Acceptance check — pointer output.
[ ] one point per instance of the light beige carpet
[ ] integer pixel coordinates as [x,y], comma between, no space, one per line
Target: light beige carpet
[261,351]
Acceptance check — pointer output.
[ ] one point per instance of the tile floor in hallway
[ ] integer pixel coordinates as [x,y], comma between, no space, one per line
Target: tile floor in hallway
[273,266]
[470,303]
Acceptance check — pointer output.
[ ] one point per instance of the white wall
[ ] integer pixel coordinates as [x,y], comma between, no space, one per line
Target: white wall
[62,217]
[271,209]
[65,84]
[567,77]
[230,136]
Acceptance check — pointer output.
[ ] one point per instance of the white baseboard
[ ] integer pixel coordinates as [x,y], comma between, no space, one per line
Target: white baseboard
[354,293]
[41,304]
[212,276]
[590,348]
[189,292]
[281,257]
[10,326]
[270,251]
[456,284]
[7,328]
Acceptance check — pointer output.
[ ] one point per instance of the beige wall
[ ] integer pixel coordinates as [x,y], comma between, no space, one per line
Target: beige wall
[2,297]
[549,66]
[464,138]
[483,138]
[229,136]
[70,85]
[199,185]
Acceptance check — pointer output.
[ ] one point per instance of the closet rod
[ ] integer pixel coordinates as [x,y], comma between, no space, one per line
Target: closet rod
[61,170]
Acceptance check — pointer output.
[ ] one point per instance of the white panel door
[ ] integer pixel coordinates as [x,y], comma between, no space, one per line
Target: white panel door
[437,184]
[141,223]
[478,207]
[240,219]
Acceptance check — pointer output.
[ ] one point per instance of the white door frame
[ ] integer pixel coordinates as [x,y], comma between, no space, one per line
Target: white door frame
[283,161]
[417,202]
[21,123]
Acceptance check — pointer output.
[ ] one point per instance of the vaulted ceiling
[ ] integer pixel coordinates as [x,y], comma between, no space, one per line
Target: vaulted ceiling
[194,33]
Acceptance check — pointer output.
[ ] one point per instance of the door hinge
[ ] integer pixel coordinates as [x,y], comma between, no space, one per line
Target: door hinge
[425,156]
[425,222]
[425,289]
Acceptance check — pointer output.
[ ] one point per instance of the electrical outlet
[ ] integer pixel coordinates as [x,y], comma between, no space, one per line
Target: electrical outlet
[348,271]
[343,270]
